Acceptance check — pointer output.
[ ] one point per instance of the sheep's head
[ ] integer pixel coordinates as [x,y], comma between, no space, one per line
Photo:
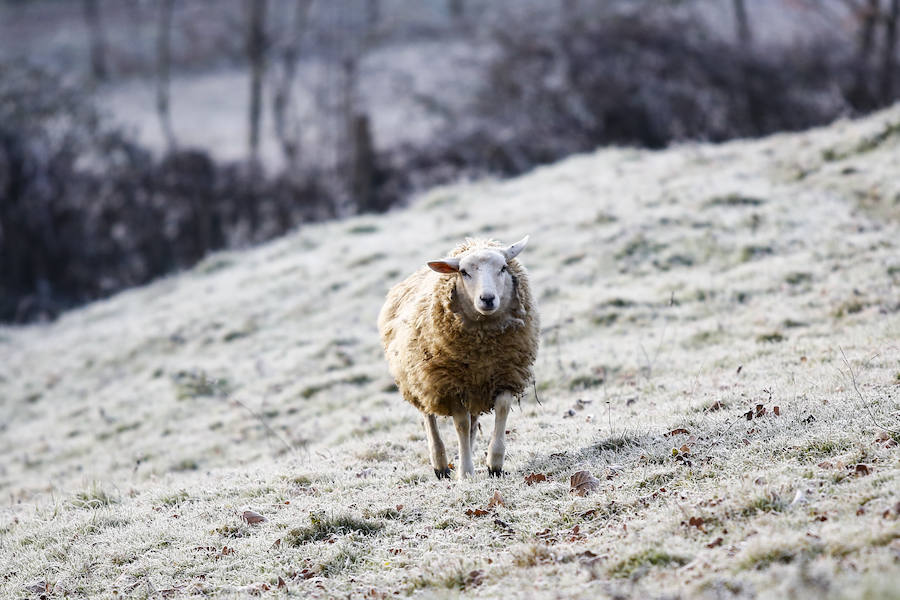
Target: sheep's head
[484,280]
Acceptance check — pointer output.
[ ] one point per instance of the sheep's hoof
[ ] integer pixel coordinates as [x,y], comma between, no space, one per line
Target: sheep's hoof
[442,473]
[496,472]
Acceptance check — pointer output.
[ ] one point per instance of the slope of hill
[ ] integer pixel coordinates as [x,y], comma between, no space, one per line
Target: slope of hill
[697,306]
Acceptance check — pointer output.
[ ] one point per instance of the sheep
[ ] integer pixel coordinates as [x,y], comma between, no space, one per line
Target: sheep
[460,336]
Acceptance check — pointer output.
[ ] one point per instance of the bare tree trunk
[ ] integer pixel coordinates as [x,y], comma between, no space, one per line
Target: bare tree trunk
[742,24]
[362,164]
[889,60]
[860,94]
[256,51]
[97,41]
[457,8]
[285,131]
[163,67]
[373,12]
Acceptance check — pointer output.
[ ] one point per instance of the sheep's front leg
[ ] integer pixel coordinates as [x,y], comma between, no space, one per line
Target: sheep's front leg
[498,444]
[436,447]
[463,424]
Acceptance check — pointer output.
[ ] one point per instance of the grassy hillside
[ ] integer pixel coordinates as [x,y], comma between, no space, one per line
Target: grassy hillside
[697,305]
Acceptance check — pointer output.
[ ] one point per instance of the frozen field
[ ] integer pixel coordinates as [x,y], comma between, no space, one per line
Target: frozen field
[697,304]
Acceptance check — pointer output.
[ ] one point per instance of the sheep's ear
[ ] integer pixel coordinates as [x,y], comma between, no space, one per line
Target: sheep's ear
[513,251]
[446,265]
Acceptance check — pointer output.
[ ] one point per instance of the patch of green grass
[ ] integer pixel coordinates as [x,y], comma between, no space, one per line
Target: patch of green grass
[322,527]
[584,382]
[605,320]
[362,229]
[185,464]
[792,324]
[770,338]
[798,277]
[762,504]
[604,218]
[342,560]
[313,389]
[865,145]
[652,557]
[614,443]
[173,499]
[766,557]
[754,251]
[819,449]
[639,247]
[657,480]
[735,199]
[93,497]
[214,264]
[850,307]
[197,384]
[368,260]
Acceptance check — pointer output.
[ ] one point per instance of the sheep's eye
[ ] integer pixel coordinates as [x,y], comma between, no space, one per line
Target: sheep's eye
[503,269]
[464,273]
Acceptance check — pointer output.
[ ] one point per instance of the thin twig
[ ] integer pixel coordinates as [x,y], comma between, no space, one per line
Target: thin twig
[861,399]
[260,418]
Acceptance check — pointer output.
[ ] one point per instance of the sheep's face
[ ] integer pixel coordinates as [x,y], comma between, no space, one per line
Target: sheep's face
[484,278]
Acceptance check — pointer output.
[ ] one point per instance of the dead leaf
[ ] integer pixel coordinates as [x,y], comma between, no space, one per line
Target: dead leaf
[477,512]
[715,543]
[582,483]
[679,431]
[776,410]
[861,469]
[39,587]
[277,543]
[253,518]
[281,582]
[496,500]
[825,465]
[535,478]
[696,522]
[760,411]
[717,405]
[474,578]
[684,449]
[748,415]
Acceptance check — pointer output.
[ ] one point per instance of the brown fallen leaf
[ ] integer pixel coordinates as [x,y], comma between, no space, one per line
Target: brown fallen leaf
[281,582]
[760,411]
[685,449]
[277,543]
[535,478]
[715,543]
[496,500]
[253,518]
[696,522]
[582,483]
[477,512]
[861,469]
[776,410]
[717,405]
[678,431]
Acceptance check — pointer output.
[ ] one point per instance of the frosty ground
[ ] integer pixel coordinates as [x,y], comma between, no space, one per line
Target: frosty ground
[685,294]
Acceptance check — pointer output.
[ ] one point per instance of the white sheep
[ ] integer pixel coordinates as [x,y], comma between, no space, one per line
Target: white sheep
[460,337]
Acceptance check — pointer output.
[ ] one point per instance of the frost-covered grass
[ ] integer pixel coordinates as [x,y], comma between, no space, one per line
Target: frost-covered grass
[688,292]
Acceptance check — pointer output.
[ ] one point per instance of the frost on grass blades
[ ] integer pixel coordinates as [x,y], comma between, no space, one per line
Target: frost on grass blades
[716,460]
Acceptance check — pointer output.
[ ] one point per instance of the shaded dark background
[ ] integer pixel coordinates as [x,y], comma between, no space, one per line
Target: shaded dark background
[137,136]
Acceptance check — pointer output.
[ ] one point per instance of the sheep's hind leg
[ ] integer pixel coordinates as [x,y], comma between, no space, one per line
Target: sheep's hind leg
[463,423]
[436,447]
[498,444]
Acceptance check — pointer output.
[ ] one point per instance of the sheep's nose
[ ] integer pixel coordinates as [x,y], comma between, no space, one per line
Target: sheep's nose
[487,300]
